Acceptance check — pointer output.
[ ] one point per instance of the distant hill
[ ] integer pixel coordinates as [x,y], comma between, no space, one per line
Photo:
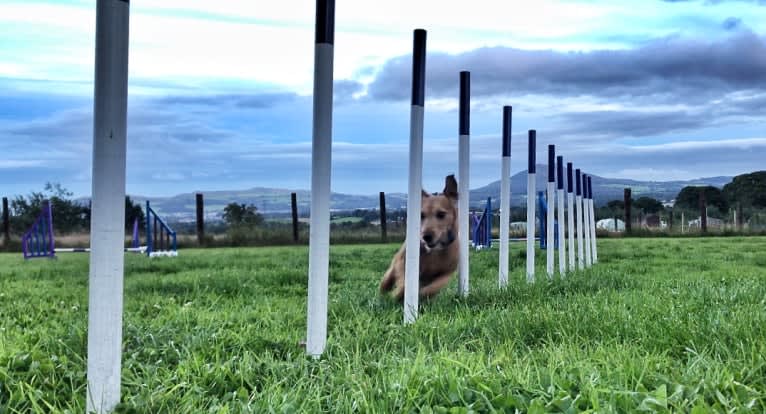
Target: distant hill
[276,202]
[604,189]
[270,201]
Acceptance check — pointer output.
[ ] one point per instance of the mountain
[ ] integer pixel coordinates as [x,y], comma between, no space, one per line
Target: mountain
[276,202]
[270,201]
[604,189]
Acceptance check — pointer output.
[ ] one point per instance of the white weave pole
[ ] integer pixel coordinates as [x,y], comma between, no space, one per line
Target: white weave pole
[551,202]
[505,198]
[412,259]
[586,216]
[560,204]
[570,217]
[592,219]
[578,195]
[321,163]
[107,234]
[464,161]
[531,207]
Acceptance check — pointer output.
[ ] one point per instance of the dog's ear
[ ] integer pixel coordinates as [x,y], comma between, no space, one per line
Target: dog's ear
[450,187]
[424,194]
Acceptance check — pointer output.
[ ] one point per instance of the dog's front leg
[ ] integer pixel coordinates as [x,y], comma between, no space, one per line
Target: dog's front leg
[435,286]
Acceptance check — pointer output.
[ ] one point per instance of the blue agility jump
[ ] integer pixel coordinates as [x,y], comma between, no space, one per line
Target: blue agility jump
[39,240]
[482,228]
[160,238]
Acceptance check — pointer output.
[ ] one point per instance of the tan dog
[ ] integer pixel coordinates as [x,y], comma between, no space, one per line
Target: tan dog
[439,245]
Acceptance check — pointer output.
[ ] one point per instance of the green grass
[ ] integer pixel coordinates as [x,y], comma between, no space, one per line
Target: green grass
[651,327]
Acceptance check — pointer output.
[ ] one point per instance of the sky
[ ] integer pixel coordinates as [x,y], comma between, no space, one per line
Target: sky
[220,91]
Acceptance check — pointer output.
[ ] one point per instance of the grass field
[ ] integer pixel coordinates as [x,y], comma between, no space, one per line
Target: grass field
[658,325]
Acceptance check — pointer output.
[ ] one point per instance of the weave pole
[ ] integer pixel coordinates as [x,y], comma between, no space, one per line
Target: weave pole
[570,217]
[549,230]
[107,234]
[464,161]
[505,198]
[578,197]
[592,220]
[560,204]
[586,220]
[415,188]
[531,207]
[319,232]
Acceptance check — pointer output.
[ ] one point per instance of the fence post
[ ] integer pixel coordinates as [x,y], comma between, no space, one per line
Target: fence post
[383,229]
[703,212]
[627,199]
[670,220]
[294,204]
[6,223]
[200,220]
[740,218]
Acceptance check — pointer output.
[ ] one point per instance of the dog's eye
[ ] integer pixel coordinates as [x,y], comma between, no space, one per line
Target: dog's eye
[441,215]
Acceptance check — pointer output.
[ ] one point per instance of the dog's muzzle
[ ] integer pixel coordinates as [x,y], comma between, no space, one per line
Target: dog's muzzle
[428,243]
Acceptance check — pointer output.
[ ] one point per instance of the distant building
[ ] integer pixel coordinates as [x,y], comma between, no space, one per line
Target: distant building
[711,223]
[609,224]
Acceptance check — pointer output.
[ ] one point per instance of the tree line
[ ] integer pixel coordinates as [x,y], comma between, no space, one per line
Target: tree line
[69,216]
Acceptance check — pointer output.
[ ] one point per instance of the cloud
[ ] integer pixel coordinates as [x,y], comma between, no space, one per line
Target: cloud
[256,100]
[732,23]
[716,2]
[669,66]
[14,164]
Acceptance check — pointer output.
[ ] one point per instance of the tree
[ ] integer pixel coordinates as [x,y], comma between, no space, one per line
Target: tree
[688,198]
[747,189]
[648,205]
[616,205]
[68,215]
[133,211]
[237,215]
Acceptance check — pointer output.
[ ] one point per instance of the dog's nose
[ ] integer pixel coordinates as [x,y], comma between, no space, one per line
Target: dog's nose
[428,238]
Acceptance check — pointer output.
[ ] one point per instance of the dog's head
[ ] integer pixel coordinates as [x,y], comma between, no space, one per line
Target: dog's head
[438,217]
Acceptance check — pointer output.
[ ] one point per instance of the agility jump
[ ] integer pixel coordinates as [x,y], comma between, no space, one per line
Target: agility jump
[39,241]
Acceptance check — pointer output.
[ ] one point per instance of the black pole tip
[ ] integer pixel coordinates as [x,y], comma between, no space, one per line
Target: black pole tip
[551,162]
[325,22]
[464,127]
[419,67]
[532,147]
[578,182]
[507,121]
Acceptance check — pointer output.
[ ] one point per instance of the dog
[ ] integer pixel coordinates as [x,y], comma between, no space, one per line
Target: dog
[439,245]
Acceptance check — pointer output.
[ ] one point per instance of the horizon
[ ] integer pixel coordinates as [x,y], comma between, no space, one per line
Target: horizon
[672,91]
[375,194]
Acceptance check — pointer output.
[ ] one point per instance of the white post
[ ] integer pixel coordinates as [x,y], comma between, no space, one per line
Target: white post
[551,203]
[505,198]
[321,151]
[464,161]
[682,222]
[531,207]
[592,220]
[578,196]
[560,204]
[570,217]
[586,221]
[107,235]
[412,259]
